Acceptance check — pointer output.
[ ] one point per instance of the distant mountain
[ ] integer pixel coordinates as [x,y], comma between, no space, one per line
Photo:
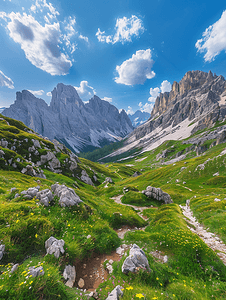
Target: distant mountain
[139,118]
[79,126]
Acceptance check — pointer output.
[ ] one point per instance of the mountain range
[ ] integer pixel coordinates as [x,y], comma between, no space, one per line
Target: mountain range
[138,118]
[78,125]
[197,102]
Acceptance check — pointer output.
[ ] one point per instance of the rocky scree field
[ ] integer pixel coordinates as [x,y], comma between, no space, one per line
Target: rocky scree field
[36,193]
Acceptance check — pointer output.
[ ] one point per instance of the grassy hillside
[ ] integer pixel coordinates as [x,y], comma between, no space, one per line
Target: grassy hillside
[193,270]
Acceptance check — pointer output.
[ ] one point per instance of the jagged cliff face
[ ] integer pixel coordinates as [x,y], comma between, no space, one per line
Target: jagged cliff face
[196,102]
[69,120]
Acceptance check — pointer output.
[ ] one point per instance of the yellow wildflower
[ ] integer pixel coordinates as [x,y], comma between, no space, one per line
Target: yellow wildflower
[129,288]
[139,296]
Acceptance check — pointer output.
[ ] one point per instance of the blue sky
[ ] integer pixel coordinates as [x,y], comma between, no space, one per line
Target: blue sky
[124,51]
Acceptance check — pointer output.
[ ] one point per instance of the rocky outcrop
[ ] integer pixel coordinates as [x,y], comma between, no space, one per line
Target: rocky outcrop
[67,196]
[69,120]
[54,246]
[136,259]
[157,194]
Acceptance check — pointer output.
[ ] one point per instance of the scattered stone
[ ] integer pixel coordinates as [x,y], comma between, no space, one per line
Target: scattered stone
[157,194]
[70,274]
[216,174]
[85,178]
[108,179]
[29,170]
[137,173]
[111,261]
[13,189]
[116,293]
[35,272]
[165,259]
[14,268]
[109,268]
[68,197]
[45,197]
[2,153]
[136,259]
[120,251]
[54,246]
[81,283]
[2,249]
[217,200]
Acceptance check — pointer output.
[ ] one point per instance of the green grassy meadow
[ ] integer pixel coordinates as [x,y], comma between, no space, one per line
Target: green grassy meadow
[193,270]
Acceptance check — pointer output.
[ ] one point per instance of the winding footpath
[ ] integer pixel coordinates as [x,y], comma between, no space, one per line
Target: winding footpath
[122,231]
[213,241]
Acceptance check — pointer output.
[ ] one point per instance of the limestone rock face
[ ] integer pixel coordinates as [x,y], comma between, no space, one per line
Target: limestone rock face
[195,103]
[69,120]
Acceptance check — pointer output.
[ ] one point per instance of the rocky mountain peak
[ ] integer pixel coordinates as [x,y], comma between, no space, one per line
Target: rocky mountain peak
[192,81]
[65,96]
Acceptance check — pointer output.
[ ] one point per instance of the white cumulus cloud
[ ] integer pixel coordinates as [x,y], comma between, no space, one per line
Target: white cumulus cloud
[107,99]
[213,39]
[125,29]
[39,43]
[147,107]
[49,94]
[129,111]
[154,92]
[85,91]
[6,81]
[137,69]
[37,93]
[165,86]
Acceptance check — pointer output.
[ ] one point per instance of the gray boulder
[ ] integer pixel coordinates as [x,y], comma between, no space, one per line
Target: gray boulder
[2,249]
[54,246]
[136,259]
[70,274]
[115,294]
[108,179]
[14,268]
[45,196]
[36,271]
[85,178]
[68,197]
[157,194]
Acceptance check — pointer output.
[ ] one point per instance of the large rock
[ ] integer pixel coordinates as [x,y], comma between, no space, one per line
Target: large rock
[2,249]
[45,197]
[68,197]
[85,178]
[115,294]
[136,259]
[157,194]
[54,246]
[70,274]
[36,271]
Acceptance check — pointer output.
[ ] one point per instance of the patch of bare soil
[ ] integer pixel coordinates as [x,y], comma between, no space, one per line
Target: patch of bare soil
[92,271]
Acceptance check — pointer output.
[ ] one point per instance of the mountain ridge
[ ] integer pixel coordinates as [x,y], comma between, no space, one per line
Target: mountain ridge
[69,120]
